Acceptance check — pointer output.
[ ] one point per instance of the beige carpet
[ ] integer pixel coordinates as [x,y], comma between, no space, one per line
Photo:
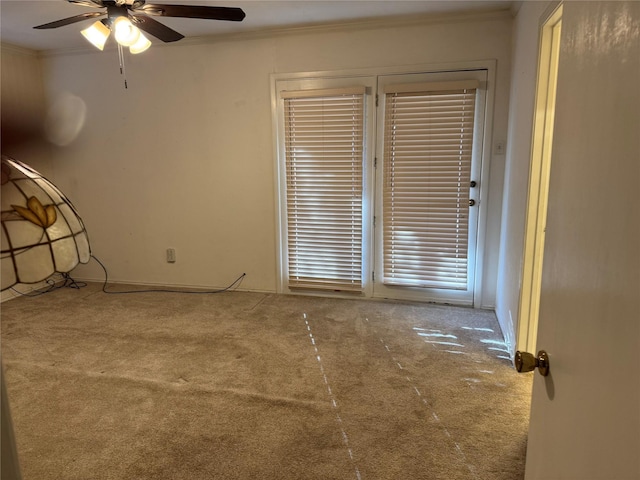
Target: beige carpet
[259,386]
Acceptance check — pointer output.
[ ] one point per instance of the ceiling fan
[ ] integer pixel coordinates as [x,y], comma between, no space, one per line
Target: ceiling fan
[127,17]
[135,13]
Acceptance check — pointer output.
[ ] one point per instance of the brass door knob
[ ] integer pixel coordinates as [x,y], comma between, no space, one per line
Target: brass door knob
[526,362]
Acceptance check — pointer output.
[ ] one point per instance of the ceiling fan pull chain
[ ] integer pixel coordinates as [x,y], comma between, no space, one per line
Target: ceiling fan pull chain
[122,69]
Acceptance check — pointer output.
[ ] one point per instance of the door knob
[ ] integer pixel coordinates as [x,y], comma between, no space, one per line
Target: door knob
[526,362]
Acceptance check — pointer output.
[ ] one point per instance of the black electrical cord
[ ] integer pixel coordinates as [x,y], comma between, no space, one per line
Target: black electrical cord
[67,282]
[236,282]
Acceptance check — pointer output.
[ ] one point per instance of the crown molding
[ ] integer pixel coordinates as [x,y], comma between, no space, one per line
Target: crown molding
[15,49]
[363,24]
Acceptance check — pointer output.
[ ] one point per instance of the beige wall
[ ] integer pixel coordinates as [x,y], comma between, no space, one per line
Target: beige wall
[183,158]
[23,107]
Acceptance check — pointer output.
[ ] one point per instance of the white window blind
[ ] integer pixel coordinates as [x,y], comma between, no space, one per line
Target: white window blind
[324,157]
[428,140]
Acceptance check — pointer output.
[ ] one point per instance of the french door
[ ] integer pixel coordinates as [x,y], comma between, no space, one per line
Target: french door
[380,200]
[429,144]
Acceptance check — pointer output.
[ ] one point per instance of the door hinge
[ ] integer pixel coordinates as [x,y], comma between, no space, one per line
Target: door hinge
[373,276]
[376,99]
[375,162]
[374,222]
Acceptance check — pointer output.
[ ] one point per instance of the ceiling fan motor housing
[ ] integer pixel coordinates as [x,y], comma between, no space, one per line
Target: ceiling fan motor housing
[115,11]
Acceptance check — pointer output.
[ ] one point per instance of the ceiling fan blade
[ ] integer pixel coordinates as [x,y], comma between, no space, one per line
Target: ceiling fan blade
[233,14]
[88,3]
[70,20]
[155,28]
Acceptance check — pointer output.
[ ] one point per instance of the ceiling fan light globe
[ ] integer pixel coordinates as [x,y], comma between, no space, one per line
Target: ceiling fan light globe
[126,33]
[141,45]
[97,34]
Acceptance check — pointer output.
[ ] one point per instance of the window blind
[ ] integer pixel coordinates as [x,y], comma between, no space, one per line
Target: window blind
[428,140]
[324,157]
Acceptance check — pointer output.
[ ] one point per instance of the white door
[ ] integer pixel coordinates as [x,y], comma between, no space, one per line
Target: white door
[429,152]
[325,145]
[585,416]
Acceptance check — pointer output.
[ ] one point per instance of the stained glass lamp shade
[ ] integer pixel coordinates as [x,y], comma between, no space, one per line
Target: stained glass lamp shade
[42,233]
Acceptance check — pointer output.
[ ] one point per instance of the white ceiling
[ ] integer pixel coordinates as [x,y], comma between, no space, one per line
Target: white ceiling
[18,17]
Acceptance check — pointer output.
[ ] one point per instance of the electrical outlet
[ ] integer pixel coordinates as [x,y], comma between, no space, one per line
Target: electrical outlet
[171,255]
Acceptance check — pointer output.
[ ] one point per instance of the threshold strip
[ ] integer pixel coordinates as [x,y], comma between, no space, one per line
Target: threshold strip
[332,398]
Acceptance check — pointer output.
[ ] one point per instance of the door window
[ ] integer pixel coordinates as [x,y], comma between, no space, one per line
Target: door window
[323,146]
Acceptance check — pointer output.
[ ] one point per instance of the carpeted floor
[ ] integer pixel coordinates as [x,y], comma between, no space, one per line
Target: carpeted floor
[259,386]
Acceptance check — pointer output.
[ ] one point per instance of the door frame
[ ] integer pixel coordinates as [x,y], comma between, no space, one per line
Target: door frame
[487,64]
[538,187]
